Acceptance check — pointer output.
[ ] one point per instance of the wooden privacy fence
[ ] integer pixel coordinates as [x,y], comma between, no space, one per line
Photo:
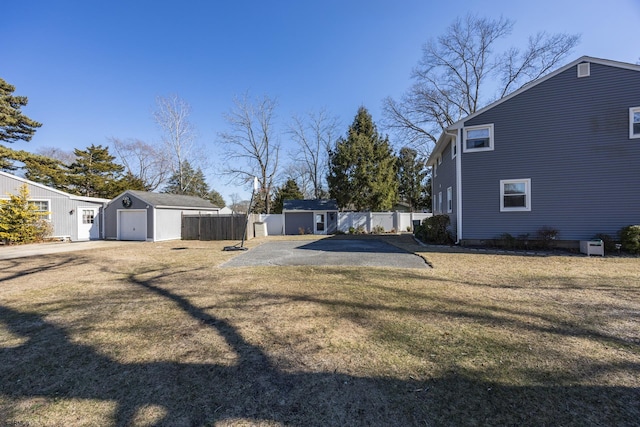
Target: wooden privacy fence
[214,227]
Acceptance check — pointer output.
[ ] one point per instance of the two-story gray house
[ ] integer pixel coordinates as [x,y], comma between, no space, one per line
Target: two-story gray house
[561,152]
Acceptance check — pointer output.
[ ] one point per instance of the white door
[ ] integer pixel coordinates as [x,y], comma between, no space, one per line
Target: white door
[88,223]
[320,223]
[132,225]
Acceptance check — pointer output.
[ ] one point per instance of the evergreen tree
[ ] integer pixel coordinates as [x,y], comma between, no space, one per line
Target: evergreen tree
[20,220]
[188,181]
[412,172]
[95,174]
[217,199]
[14,126]
[38,168]
[362,168]
[289,191]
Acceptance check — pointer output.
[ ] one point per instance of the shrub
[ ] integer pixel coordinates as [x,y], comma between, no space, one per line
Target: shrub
[20,220]
[435,230]
[507,241]
[609,242]
[547,235]
[630,239]
[378,229]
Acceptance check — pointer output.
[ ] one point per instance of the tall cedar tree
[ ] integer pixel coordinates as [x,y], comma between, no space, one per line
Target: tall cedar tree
[362,168]
[412,174]
[14,126]
[95,174]
[20,220]
[289,191]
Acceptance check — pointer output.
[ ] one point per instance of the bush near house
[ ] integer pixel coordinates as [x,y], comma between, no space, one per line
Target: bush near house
[435,230]
[630,239]
[20,220]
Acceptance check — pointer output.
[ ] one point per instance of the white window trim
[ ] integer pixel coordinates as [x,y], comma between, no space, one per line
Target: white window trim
[449,199]
[435,170]
[633,110]
[439,160]
[440,202]
[453,149]
[527,183]
[48,216]
[473,150]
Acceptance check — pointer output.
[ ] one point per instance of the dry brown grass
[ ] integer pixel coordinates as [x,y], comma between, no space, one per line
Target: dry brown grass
[157,334]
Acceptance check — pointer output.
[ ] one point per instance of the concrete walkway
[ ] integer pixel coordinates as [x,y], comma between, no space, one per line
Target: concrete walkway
[37,249]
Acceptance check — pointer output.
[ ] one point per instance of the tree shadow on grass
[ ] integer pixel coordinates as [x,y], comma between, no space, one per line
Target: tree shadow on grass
[49,364]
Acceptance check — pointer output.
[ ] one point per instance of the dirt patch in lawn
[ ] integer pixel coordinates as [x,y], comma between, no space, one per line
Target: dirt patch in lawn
[152,335]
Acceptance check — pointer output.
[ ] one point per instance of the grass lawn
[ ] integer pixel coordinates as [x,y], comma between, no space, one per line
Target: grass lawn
[147,334]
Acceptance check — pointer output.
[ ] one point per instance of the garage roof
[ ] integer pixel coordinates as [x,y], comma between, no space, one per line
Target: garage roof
[158,200]
[310,205]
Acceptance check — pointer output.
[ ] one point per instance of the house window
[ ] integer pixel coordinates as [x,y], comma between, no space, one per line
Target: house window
[449,200]
[439,160]
[87,216]
[515,195]
[634,122]
[435,169]
[478,138]
[440,202]
[42,206]
[454,149]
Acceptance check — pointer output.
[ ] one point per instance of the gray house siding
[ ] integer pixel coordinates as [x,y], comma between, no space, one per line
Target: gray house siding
[111,215]
[294,221]
[65,209]
[570,136]
[446,177]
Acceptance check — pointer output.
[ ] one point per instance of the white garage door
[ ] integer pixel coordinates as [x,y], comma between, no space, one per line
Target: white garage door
[132,225]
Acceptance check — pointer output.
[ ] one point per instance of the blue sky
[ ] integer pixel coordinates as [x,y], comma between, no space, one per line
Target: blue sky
[92,69]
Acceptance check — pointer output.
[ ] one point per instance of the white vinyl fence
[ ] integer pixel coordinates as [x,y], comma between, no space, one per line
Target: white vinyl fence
[366,221]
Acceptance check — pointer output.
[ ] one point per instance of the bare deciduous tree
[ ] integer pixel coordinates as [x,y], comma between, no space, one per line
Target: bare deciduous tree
[65,157]
[460,72]
[250,147]
[147,162]
[179,134]
[314,135]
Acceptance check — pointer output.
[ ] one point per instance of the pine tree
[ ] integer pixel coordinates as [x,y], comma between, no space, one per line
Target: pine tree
[217,199]
[362,168]
[20,220]
[95,174]
[289,191]
[412,172]
[14,126]
[188,181]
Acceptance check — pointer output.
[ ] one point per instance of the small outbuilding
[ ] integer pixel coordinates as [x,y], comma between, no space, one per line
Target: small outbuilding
[147,216]
[310,216]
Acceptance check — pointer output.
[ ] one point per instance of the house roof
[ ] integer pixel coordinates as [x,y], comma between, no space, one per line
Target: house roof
[171,200]
[448,133]
[310,205]
[62,193]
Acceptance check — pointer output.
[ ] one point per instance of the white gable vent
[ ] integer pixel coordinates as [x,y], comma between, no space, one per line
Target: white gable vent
[584,69]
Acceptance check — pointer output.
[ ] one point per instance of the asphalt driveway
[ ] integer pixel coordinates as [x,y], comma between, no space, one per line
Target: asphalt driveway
[328,252]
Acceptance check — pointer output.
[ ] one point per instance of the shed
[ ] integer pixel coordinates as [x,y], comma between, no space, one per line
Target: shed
[147,216]
[72,217]
[310,216]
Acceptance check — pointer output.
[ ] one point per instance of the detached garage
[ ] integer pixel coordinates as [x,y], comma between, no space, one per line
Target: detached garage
[146,216]
[310,216]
